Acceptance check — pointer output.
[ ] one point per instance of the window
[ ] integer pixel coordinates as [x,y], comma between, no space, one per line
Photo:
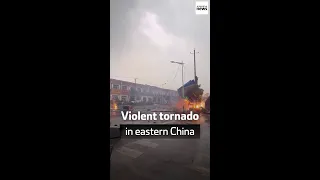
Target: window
[144,99]
[115,97]
[124,88]
[115,86]
[123,98]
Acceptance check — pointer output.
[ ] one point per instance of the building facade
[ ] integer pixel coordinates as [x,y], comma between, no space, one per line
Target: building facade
[127,91]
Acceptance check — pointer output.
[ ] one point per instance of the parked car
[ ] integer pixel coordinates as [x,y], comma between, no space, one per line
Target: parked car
[126,108]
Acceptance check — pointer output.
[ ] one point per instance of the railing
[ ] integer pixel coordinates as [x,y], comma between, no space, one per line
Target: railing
[119,91]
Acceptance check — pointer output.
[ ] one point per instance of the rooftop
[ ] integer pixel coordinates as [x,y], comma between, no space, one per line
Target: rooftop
[127,83]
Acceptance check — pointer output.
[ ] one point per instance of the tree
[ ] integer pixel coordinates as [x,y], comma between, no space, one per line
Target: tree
[133,92]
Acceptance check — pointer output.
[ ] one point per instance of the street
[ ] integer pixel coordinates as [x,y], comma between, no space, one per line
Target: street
[158,159]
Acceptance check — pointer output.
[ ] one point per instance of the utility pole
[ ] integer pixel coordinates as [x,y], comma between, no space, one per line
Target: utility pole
[194,60]
[182,81]
[182,86]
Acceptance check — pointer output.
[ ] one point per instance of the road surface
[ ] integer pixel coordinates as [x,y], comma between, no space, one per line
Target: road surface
[158,159]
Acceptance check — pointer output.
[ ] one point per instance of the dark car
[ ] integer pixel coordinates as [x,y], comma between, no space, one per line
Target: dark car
[126,108]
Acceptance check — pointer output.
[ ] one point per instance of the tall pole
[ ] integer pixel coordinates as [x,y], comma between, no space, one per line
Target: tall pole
[182,89]
[182,81]
[194,60]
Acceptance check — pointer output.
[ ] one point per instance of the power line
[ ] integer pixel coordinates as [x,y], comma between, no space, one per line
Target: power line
[168,77]
[176,73]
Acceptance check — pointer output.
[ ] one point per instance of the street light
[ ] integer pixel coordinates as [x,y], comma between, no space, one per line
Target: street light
[181,63]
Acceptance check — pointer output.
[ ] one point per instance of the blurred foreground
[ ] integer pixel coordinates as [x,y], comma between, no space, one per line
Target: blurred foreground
[158,159]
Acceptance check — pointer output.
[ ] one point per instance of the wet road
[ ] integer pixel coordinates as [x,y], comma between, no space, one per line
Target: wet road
[158,159]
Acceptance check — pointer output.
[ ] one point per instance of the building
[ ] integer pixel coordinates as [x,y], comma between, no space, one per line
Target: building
[128,91]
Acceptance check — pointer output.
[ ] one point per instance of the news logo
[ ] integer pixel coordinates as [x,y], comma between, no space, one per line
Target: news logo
[202,7]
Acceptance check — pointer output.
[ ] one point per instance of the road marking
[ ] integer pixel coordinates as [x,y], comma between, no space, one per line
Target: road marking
[146,143]
[129,152]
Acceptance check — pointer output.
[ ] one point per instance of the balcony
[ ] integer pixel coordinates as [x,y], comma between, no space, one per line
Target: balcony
[119,91]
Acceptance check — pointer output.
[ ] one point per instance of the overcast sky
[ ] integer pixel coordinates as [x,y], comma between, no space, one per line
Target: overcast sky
[147,34]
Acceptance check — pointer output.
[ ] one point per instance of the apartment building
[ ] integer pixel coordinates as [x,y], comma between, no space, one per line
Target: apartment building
[128,91]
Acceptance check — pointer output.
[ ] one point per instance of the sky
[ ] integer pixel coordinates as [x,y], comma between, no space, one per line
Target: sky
[147,34]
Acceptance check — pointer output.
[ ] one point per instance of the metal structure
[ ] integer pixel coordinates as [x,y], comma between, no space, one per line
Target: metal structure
[195,69]
[181,63]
